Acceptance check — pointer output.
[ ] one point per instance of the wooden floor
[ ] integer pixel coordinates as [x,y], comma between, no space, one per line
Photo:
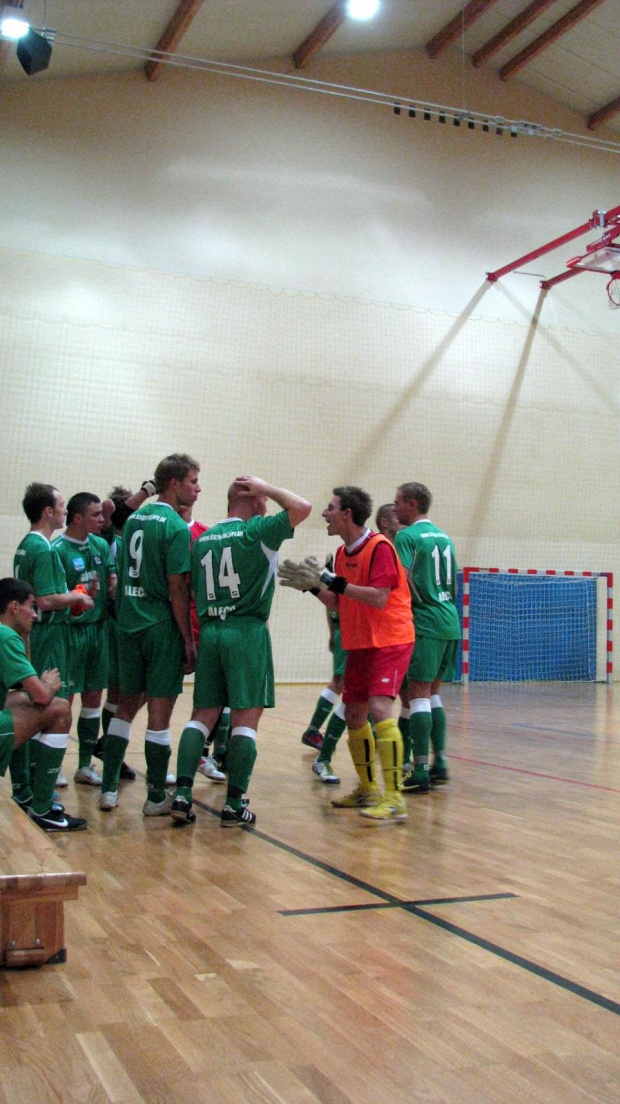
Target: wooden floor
[467,956]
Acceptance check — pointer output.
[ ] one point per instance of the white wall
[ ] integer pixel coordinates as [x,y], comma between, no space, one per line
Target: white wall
[148,232]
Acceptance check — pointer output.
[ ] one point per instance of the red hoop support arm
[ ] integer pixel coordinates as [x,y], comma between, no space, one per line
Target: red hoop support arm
[546,284]
[574,268]
[598,218]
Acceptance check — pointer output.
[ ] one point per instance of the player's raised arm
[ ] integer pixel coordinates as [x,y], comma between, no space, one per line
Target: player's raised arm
[297,508]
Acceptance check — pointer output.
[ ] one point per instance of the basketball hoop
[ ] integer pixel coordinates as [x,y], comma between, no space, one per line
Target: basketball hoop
[613,291]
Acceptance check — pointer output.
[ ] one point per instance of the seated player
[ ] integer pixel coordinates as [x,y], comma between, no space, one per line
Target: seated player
[234,566]
[33,712]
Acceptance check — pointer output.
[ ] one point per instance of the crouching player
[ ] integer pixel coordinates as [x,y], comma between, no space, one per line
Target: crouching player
[33,712]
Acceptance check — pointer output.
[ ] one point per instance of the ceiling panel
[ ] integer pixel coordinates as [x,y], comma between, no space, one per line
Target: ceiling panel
[581,70]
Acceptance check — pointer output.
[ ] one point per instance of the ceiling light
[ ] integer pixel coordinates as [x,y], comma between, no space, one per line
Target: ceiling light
[362,9]
[14,23]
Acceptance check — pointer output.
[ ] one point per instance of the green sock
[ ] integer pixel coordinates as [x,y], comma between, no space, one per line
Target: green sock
[221,736]
[421,723]
[49,762]
[114,749]
[157,753]
[404,724]
[335,727]
[19,767]
[323,708]
[438,730]
[188,756]
[87,732]
[241,760]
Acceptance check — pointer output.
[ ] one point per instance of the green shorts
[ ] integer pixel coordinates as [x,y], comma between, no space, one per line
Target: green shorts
[7,739]
[151,661]
[235,665]
[339,656]
[112,652]
[49,648]
[88,657]
[433,659]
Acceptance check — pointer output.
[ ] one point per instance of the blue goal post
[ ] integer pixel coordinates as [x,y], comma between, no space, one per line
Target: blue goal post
[534,625]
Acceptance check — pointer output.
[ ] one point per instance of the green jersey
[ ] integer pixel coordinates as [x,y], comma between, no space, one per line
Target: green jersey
[234,566]
[155,545]
[37,562]
[84,561]
[428,557]
[14,663]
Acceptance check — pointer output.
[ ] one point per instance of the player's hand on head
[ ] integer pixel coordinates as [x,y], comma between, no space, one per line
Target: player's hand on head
[250,485]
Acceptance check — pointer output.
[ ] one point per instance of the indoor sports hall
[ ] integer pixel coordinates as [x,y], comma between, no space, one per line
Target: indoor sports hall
[326,250]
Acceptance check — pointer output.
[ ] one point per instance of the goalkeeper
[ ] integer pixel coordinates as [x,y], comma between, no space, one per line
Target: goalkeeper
[370,591]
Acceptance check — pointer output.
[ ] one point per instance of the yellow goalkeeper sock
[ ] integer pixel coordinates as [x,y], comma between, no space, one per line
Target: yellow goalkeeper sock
[362,748]
[390,749]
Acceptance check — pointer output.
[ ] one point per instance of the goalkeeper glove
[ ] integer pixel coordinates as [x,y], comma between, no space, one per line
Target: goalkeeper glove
[148,487]
[322,577]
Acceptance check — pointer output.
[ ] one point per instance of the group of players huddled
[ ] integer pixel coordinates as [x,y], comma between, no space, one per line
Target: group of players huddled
[134,595]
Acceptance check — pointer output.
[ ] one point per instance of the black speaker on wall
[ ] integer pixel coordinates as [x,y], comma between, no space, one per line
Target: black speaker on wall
[34,53]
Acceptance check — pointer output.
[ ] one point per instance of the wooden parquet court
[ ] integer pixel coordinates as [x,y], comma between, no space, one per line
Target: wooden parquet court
[465,957]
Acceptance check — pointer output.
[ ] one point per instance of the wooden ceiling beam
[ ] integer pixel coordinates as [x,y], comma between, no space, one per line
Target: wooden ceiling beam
[172,35]
[510,31]
[603,114]
[551,35]
[454,29]
[329,24]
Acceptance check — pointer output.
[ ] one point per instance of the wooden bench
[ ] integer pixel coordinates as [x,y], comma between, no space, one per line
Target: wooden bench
[34,884]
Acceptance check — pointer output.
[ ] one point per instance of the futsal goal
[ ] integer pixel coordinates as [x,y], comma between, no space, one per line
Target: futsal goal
[533,624]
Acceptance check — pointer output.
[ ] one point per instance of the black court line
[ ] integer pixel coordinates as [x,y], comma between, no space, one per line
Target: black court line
[433,901]
[518,960]
[416,910]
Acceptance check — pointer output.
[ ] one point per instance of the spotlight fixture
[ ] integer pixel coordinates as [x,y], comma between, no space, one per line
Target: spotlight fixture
[362,9]
[13,23]
[34,53]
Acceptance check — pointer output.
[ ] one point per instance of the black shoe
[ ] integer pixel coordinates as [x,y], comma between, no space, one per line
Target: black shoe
[55,821]
[438,776]
[128,773]
[98,748]
[181,811]
[415,785]
[233,817]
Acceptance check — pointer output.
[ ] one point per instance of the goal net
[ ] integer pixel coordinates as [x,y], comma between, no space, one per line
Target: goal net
[521,625]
